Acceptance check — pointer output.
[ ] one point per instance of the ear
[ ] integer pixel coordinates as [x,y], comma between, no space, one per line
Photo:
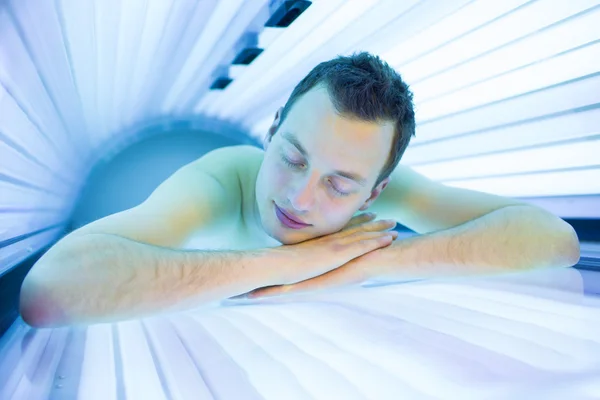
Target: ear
[273,128]
[375,194]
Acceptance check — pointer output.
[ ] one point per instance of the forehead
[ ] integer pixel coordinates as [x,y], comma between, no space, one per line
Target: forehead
[324,133]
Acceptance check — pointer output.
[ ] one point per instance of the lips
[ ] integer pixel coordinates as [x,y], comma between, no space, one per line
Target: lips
[292,217]
[288,219]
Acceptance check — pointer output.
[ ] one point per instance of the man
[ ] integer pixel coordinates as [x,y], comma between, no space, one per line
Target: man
[290,219]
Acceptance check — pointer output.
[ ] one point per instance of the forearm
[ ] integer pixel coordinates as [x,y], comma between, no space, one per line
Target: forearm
[507,240]
[104,278]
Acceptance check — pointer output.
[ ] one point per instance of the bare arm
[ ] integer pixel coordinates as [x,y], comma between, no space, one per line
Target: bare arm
[124,266]
[103,278]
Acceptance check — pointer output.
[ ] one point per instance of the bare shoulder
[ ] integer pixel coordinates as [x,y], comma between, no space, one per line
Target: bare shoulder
[246,161]
[230,165]
[245,153]
[425,205]
[203,195]
[235,167]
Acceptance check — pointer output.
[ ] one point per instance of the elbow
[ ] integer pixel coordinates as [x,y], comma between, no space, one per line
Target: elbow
[572,250]
[36,306]
[569,251]
[41,299]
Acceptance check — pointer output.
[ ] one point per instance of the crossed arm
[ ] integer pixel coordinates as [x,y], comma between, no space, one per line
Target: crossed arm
[460,232]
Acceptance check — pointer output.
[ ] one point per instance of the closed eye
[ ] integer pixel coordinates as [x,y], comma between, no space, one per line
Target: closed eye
[296,165]
[290,163]
[337,191]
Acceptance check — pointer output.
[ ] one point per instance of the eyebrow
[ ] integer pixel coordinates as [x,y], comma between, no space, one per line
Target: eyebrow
[290,137]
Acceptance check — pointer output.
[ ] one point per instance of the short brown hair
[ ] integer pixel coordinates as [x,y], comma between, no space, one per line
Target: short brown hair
[363,86]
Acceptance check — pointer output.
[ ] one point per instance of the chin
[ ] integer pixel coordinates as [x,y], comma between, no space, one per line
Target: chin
[287,236]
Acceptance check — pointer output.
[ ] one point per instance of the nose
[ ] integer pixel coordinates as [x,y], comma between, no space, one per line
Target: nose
[302,196]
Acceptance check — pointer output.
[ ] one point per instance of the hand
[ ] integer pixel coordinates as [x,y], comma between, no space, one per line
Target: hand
[320,255]
[353,273]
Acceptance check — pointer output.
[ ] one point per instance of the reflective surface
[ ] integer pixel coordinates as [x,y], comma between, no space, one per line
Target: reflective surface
[533,335]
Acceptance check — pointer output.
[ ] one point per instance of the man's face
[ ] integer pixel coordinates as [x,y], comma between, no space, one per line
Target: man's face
[319,169]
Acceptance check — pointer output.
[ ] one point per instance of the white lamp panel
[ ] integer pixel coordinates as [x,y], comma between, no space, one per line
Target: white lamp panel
[17,131]
[12,371]
[139,371]
[202,347]
[77,19]
[13,254]
[572,183]
[369,32]
[501,32]
[179,372]
[260,129]
[268,36]
[361,375]
[549,158]
[380,14]
[20,78]
[50,356]
[16,196]
[256,116]
[40,36]
[187,22]
[564,68]
[206,100]
[472,16]
[205,56]
[16,166]
[570,207]
[276,367]
[129,27]
[14,224]
[155,20]
[220,54]
[534,133]
[320,378]
[564,36]
[544,103]
[319,23]
[413,20]
[107,21]
[236,71]
[521,335]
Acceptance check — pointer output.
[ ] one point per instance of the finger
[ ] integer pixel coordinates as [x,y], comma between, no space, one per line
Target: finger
[372,226]
[271,291]
[360,219]
[380,227]
[364,242]
[375,240]
[336,279]
[242,296]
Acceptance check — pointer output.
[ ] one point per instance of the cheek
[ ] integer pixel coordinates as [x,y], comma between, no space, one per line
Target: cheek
[336,214]
[278,179]
[281,179]
[275,177]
